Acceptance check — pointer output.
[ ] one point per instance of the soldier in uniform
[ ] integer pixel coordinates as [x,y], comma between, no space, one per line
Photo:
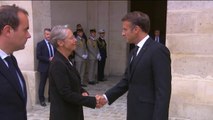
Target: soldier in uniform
[81,55]
[103,53]
[93,56]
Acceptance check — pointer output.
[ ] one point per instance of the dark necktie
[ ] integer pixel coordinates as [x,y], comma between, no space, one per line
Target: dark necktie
[14,73]
[50,48]
[134,56]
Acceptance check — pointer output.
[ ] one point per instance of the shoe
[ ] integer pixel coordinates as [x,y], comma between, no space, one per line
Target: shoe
[43,104]
[101,80]
[83,85]
[91,82]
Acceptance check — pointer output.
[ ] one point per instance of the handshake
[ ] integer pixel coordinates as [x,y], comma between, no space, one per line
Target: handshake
[100,101]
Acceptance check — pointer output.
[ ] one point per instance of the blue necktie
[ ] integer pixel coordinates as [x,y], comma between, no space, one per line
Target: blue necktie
[14,73]
[50,48]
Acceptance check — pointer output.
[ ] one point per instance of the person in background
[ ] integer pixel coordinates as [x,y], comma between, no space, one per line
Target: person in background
[67,95]
[44,54]
[103,53]
[158,38]
[81,56]
[93,57]
[14,26]
[79,26]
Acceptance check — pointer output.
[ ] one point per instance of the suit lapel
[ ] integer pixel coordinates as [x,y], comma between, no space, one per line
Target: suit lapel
[67,63]
[5,72]
[21,76]
[73,69]
[139,56]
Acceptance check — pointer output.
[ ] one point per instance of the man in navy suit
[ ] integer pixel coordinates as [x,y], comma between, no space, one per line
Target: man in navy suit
[14,33]
[148,75]
[158,38]
[44,53]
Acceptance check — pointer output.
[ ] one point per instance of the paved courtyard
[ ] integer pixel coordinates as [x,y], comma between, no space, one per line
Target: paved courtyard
[116,111]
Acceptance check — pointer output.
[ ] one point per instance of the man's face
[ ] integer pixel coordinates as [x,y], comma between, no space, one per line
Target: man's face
[128,32]
[47,35]
[157,33]
[102,34]
[70,42]
[80,34]
[20,35]
[93,34]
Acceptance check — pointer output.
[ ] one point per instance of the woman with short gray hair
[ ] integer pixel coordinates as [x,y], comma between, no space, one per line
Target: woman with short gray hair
[66,94]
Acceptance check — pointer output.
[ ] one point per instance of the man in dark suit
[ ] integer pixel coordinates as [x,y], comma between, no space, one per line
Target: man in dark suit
[67,95]
[103,53]
[158,38]
[44,53]
[148,75]
[14,33]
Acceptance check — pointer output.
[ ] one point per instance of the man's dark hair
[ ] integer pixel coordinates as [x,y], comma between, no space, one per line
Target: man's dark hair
[138,18]
[78,25]
[79,30]
[92,30]
[47,29]
[9,16]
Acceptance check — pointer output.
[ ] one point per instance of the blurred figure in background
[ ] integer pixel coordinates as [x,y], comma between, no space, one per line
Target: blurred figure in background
[93,57]
[67,95]
[81,56]
[103,53]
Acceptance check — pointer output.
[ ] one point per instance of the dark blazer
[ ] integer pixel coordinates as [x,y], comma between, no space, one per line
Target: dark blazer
[42,54]
[102,48]
[161,39]
[65,91]
[148,84]
[12,101]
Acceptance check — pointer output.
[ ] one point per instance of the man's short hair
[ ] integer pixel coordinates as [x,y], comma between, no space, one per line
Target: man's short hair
[47,29]
[79,30]
[92,30]
[9,16]
[78,25]
[138,18]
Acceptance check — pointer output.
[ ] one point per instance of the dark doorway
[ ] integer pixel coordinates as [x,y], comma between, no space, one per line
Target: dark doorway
[157,13]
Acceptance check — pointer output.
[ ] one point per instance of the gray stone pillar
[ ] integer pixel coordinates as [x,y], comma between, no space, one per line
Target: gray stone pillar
[189,38]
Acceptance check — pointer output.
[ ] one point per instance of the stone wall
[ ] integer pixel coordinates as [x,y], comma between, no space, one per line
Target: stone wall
[99,15]
[189,38]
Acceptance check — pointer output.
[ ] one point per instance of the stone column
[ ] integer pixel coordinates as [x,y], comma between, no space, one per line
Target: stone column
[189,38]
[39,17]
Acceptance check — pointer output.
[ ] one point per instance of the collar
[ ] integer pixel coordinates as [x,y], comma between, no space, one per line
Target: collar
[141,43]
[3,55]
[46,41]
[92,38]
[79,37]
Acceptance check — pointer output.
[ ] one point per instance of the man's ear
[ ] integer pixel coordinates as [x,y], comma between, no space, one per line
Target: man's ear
[7,30]
[137,29]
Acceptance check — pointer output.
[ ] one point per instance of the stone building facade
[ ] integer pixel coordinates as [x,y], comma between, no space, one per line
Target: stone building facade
[189,37]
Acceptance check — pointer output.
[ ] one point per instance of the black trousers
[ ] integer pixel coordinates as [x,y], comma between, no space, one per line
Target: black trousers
[43,80]
[101,66]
